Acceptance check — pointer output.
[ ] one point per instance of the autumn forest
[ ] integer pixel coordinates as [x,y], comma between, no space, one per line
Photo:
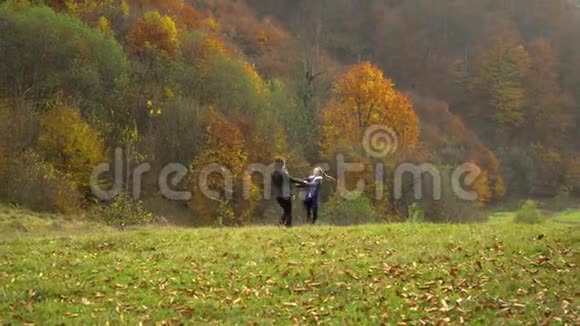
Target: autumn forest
[495,83]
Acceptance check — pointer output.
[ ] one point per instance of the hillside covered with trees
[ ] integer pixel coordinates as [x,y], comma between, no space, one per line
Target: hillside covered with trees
[491,82]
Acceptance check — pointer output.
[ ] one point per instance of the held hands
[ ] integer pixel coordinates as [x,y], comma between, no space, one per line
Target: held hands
[301,184]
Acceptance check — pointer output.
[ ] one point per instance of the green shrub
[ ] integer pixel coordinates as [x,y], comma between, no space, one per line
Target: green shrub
[50,52]
[356,210]
[416,213]
[231,84]
[123,211]
[529,213]
[225,214]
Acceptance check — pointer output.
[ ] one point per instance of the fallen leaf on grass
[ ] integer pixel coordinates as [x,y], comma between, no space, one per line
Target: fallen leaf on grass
[70,315]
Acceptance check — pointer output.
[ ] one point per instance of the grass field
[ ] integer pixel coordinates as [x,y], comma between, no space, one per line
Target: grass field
[495,273]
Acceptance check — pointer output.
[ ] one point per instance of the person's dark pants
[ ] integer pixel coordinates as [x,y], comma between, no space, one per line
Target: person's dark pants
[311,206]
[286,204]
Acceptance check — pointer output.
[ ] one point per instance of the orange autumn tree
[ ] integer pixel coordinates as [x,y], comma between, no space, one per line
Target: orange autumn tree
[365,97]
[224,146]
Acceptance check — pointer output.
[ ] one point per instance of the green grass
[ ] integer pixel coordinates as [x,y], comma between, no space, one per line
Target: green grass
[570,216]
[18,222]
[480,274]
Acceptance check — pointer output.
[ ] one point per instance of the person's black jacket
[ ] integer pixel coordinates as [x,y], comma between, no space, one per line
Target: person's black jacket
[282,183]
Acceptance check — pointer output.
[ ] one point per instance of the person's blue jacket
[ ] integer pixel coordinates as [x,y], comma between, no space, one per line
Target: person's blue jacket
[313,184]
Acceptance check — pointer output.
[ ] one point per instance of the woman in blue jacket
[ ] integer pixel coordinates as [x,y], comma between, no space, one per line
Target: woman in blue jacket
[312,186]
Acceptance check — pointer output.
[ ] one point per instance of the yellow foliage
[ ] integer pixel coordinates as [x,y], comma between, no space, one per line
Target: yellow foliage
[499,189]
[104,25]
[482,188]
[335,121]
[154,31]
[168,92]
[224,144]
[154,110]
[211,24]
[212,46]
[257,81]
[245,207]
[70,144]
[365,90]
[365,97]
[280,144]
[125,8]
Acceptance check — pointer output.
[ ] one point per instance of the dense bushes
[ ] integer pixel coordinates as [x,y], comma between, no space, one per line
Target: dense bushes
[44,53]
[19,124]
[357,209]
[46,159]
[155,32]
[30,181]
[447,206]
[27,177]
[121,212]
[231,84]
[529,213]
[70,144]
